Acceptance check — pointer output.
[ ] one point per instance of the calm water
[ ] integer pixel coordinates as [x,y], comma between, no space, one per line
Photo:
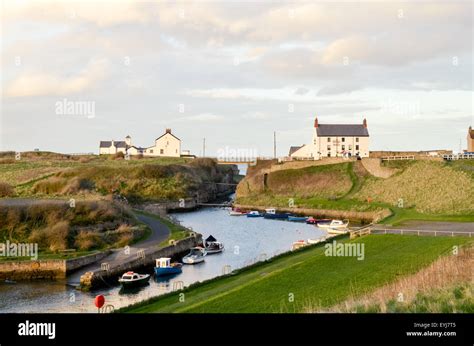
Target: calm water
[246,241]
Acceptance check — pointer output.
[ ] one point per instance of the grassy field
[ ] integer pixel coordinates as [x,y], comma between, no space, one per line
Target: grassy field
[293,282]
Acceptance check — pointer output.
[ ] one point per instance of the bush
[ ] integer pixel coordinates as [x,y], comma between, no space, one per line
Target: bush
[87,240]
[6,190]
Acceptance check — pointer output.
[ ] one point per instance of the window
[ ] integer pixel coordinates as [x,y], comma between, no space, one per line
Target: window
[350,147]
[315,141]
[329,154]
[329,148]
[329,139]
[161,151]
[357,139]
[343,147]
[357,147]
[151,151]
[343,139]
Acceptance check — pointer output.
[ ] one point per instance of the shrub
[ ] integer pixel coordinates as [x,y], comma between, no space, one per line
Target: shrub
[87,240]
[6,190]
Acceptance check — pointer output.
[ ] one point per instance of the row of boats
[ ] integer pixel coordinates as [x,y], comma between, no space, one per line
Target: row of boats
[164,266]
[271,213]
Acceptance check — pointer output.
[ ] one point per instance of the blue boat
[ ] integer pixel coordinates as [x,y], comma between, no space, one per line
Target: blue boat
[272,214]
[297,218]
[164,267]
[254,213]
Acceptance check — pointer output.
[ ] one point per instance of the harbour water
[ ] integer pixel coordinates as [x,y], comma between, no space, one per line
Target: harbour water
[246,241]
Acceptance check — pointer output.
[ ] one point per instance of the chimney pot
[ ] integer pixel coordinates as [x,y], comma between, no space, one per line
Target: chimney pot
[316,122]
[365,123]
[168,130]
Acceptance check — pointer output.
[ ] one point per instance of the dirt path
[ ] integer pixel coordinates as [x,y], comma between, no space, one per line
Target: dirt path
[373,166]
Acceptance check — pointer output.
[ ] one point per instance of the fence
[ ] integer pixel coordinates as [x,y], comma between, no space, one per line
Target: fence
[392,158]
[421,232]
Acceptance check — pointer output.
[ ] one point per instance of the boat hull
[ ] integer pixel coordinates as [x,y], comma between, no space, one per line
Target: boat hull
[189,260]
[297,218]
[135,283]
[168,271]
[276,216]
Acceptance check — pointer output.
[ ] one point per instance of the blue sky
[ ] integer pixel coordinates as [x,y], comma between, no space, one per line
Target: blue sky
[234,72]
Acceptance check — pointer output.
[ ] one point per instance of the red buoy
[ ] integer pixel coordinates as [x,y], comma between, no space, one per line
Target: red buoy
[99,301]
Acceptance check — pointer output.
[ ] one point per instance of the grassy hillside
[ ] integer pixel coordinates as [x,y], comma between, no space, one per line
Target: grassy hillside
[56,226]
[429,189]
[291,283]
[426,186]
[56,175]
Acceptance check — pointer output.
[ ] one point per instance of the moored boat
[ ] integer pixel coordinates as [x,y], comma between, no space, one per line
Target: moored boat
[311,220]
[195,255]
[334,224]
[164,267]
[299,244]
[213,246]
[297,218]
[237,212]
[131,279]
[254,213]
[271,213]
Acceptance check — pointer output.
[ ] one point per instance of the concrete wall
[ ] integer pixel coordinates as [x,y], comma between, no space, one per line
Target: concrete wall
[80,262]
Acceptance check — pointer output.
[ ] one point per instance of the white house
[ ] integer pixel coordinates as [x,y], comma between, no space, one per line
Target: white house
[335,140]
[165,145]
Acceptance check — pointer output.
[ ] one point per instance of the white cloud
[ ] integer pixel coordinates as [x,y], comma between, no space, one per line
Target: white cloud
[44,84]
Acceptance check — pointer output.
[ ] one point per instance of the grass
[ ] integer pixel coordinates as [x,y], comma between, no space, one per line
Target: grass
[307,276]
[402,215]
[444,286]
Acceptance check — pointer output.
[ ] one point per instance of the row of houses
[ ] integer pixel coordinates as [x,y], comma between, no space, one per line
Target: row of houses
[165,145]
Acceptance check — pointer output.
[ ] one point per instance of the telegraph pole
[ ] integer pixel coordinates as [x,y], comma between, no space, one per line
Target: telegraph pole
[204,147]
[274,145]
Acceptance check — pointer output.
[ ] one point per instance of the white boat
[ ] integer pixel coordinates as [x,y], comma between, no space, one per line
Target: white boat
[131,279]
[316,241]
[334,224]
[298,244]
[195,255]
[212,246]
[236,212]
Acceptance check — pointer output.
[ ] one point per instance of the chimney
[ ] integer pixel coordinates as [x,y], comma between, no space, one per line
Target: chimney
[113,143]
[316,122]
[365,123]
[168,130]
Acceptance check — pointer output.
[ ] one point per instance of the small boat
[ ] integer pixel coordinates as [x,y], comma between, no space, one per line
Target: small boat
[299,244]
[236,212]
[316,241]
[297,218]
[164,267]
[254,213]
[131,279]
[334,224]
[196,255]
[272,214]
[212,246]
[311,220]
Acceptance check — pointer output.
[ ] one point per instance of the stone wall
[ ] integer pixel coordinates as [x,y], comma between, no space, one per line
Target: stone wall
[98,278]
[80,262]
[31,270]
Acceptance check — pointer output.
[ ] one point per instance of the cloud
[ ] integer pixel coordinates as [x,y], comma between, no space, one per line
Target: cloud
[44,84]
[203,117]
[301,91]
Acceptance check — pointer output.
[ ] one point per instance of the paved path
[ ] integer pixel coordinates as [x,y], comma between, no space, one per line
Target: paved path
[160,232]
[433,228]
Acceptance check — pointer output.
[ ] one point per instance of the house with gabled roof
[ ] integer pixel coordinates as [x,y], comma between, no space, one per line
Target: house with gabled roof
[165,145]
[335,140]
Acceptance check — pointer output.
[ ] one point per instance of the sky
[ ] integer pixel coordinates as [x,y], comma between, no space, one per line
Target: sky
[234,72]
